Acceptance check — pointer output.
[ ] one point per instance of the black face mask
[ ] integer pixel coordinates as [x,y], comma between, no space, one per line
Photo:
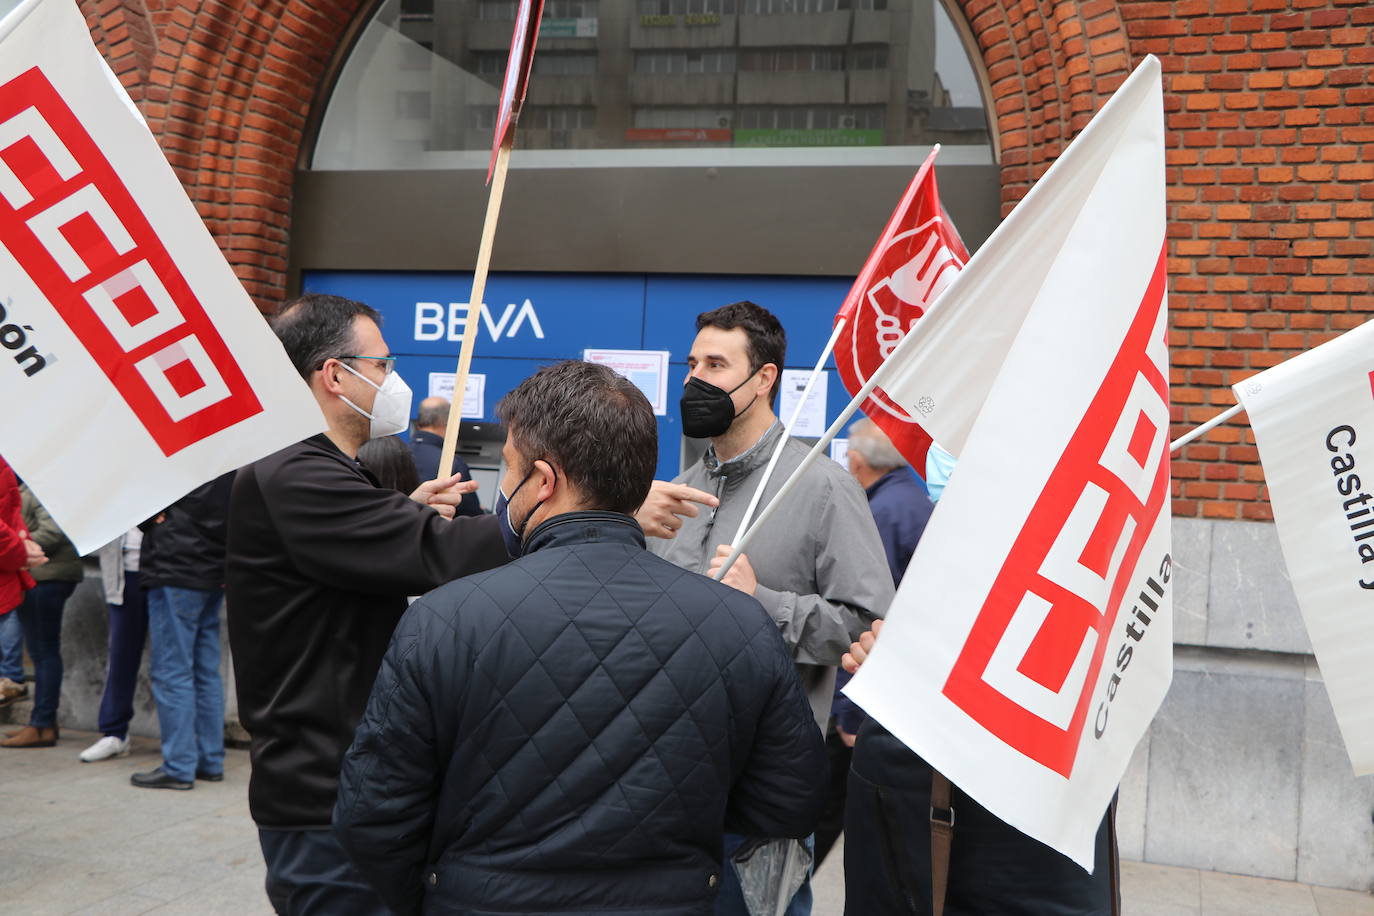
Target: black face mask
[707,410]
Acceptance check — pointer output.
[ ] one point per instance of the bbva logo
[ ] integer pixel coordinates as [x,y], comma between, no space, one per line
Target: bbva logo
[434,322]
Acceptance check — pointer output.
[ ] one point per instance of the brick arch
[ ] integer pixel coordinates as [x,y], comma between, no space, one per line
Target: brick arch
[227,87]
[1050,64]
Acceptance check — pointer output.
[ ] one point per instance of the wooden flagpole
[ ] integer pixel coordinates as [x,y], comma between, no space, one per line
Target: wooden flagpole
[479,289]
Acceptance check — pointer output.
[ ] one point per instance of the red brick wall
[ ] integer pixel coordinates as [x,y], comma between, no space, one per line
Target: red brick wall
[1270,116]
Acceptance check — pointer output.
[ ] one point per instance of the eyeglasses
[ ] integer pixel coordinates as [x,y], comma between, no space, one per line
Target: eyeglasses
[385,363]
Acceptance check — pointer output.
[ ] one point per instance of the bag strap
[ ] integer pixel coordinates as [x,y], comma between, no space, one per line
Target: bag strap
[1115,853]
[941,839]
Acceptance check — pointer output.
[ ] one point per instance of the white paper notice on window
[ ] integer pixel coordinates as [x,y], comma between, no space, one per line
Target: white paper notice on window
[648,369]
[441,386]
[839,452]
[811,423]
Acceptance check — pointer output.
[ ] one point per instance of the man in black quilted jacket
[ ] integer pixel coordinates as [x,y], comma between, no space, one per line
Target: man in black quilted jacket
[574,731]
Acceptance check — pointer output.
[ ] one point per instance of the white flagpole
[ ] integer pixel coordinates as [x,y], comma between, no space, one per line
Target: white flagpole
[1205,428]
[873,382]
[787,431]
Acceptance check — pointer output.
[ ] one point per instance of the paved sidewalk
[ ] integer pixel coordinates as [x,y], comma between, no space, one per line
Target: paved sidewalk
[77,838]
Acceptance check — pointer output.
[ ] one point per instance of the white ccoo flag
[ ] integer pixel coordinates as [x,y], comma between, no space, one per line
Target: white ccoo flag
[1313,418]
[1030,643]
[134,366]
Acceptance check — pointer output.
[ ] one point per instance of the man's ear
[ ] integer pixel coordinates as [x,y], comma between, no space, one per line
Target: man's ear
[549,479]
[768,375]
[329,374]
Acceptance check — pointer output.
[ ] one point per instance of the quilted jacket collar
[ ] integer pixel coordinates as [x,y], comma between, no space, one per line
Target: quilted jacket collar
[585,528]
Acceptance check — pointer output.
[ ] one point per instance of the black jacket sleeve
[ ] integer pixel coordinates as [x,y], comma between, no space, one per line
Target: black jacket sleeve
[391,776]
[371,540]
[782,789]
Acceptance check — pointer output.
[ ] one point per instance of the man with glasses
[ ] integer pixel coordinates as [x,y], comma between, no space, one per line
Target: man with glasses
[320,562]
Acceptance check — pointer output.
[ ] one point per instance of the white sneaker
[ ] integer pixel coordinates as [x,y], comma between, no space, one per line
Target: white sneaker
[105,748]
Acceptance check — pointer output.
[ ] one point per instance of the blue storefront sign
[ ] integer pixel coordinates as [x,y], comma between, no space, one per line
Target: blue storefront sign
[530,320]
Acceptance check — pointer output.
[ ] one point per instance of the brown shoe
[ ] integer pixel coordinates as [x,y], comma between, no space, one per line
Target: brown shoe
[32,736]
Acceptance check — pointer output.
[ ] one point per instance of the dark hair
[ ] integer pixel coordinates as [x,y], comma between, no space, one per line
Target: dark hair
[316,327]
[391,460]
[595,425]
[767,341]
[436,414]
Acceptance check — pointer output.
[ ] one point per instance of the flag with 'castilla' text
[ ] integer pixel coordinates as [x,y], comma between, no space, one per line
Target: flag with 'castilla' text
[1313,418]
[1030,642]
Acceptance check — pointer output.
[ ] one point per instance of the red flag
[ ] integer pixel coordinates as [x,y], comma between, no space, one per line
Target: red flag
[517,72]
[916,257]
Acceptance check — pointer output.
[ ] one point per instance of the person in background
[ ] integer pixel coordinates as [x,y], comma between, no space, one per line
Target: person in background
[18,554]
[393,464]
[900,509]
[41,617]
[182,570]
[573,732]
[427,444]
[818,571]
[992,867]
[128,633]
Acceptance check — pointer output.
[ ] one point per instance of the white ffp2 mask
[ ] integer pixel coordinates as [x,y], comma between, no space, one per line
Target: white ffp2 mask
[391,408]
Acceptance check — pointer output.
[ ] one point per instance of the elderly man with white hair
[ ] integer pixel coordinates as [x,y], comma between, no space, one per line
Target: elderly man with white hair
[897,499]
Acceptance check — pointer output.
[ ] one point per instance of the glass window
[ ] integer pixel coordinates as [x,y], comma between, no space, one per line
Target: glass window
[421,85]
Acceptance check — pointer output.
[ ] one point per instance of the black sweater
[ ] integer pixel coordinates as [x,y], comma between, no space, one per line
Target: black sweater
[320,563]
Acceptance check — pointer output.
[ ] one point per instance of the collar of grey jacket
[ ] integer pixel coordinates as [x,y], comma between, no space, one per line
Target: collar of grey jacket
[585,527]
[756,456]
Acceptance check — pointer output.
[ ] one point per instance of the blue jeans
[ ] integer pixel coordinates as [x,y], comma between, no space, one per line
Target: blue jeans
[41,617]
[308,873]
[184,671]
[12,647]
[730,900]
[128,634]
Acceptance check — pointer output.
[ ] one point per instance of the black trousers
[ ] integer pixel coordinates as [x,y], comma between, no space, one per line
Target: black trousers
[308,873]
[994,868]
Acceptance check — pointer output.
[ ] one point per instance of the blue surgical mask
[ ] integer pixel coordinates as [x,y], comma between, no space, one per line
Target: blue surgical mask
[515,540]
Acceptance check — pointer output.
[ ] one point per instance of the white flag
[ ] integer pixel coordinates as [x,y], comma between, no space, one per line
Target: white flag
[1030,643]
[133,366]
[1313,418]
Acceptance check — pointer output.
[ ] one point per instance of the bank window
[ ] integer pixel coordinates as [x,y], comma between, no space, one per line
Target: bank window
[420,86]
[685,62]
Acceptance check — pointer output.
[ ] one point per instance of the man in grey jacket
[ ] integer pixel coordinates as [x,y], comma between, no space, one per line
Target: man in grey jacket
[820,571]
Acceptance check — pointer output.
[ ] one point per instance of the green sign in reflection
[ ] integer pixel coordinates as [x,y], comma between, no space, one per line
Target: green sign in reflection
[823,137]
[568,28]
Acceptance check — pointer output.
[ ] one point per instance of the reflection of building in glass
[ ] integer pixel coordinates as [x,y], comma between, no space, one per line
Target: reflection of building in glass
[661,74]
